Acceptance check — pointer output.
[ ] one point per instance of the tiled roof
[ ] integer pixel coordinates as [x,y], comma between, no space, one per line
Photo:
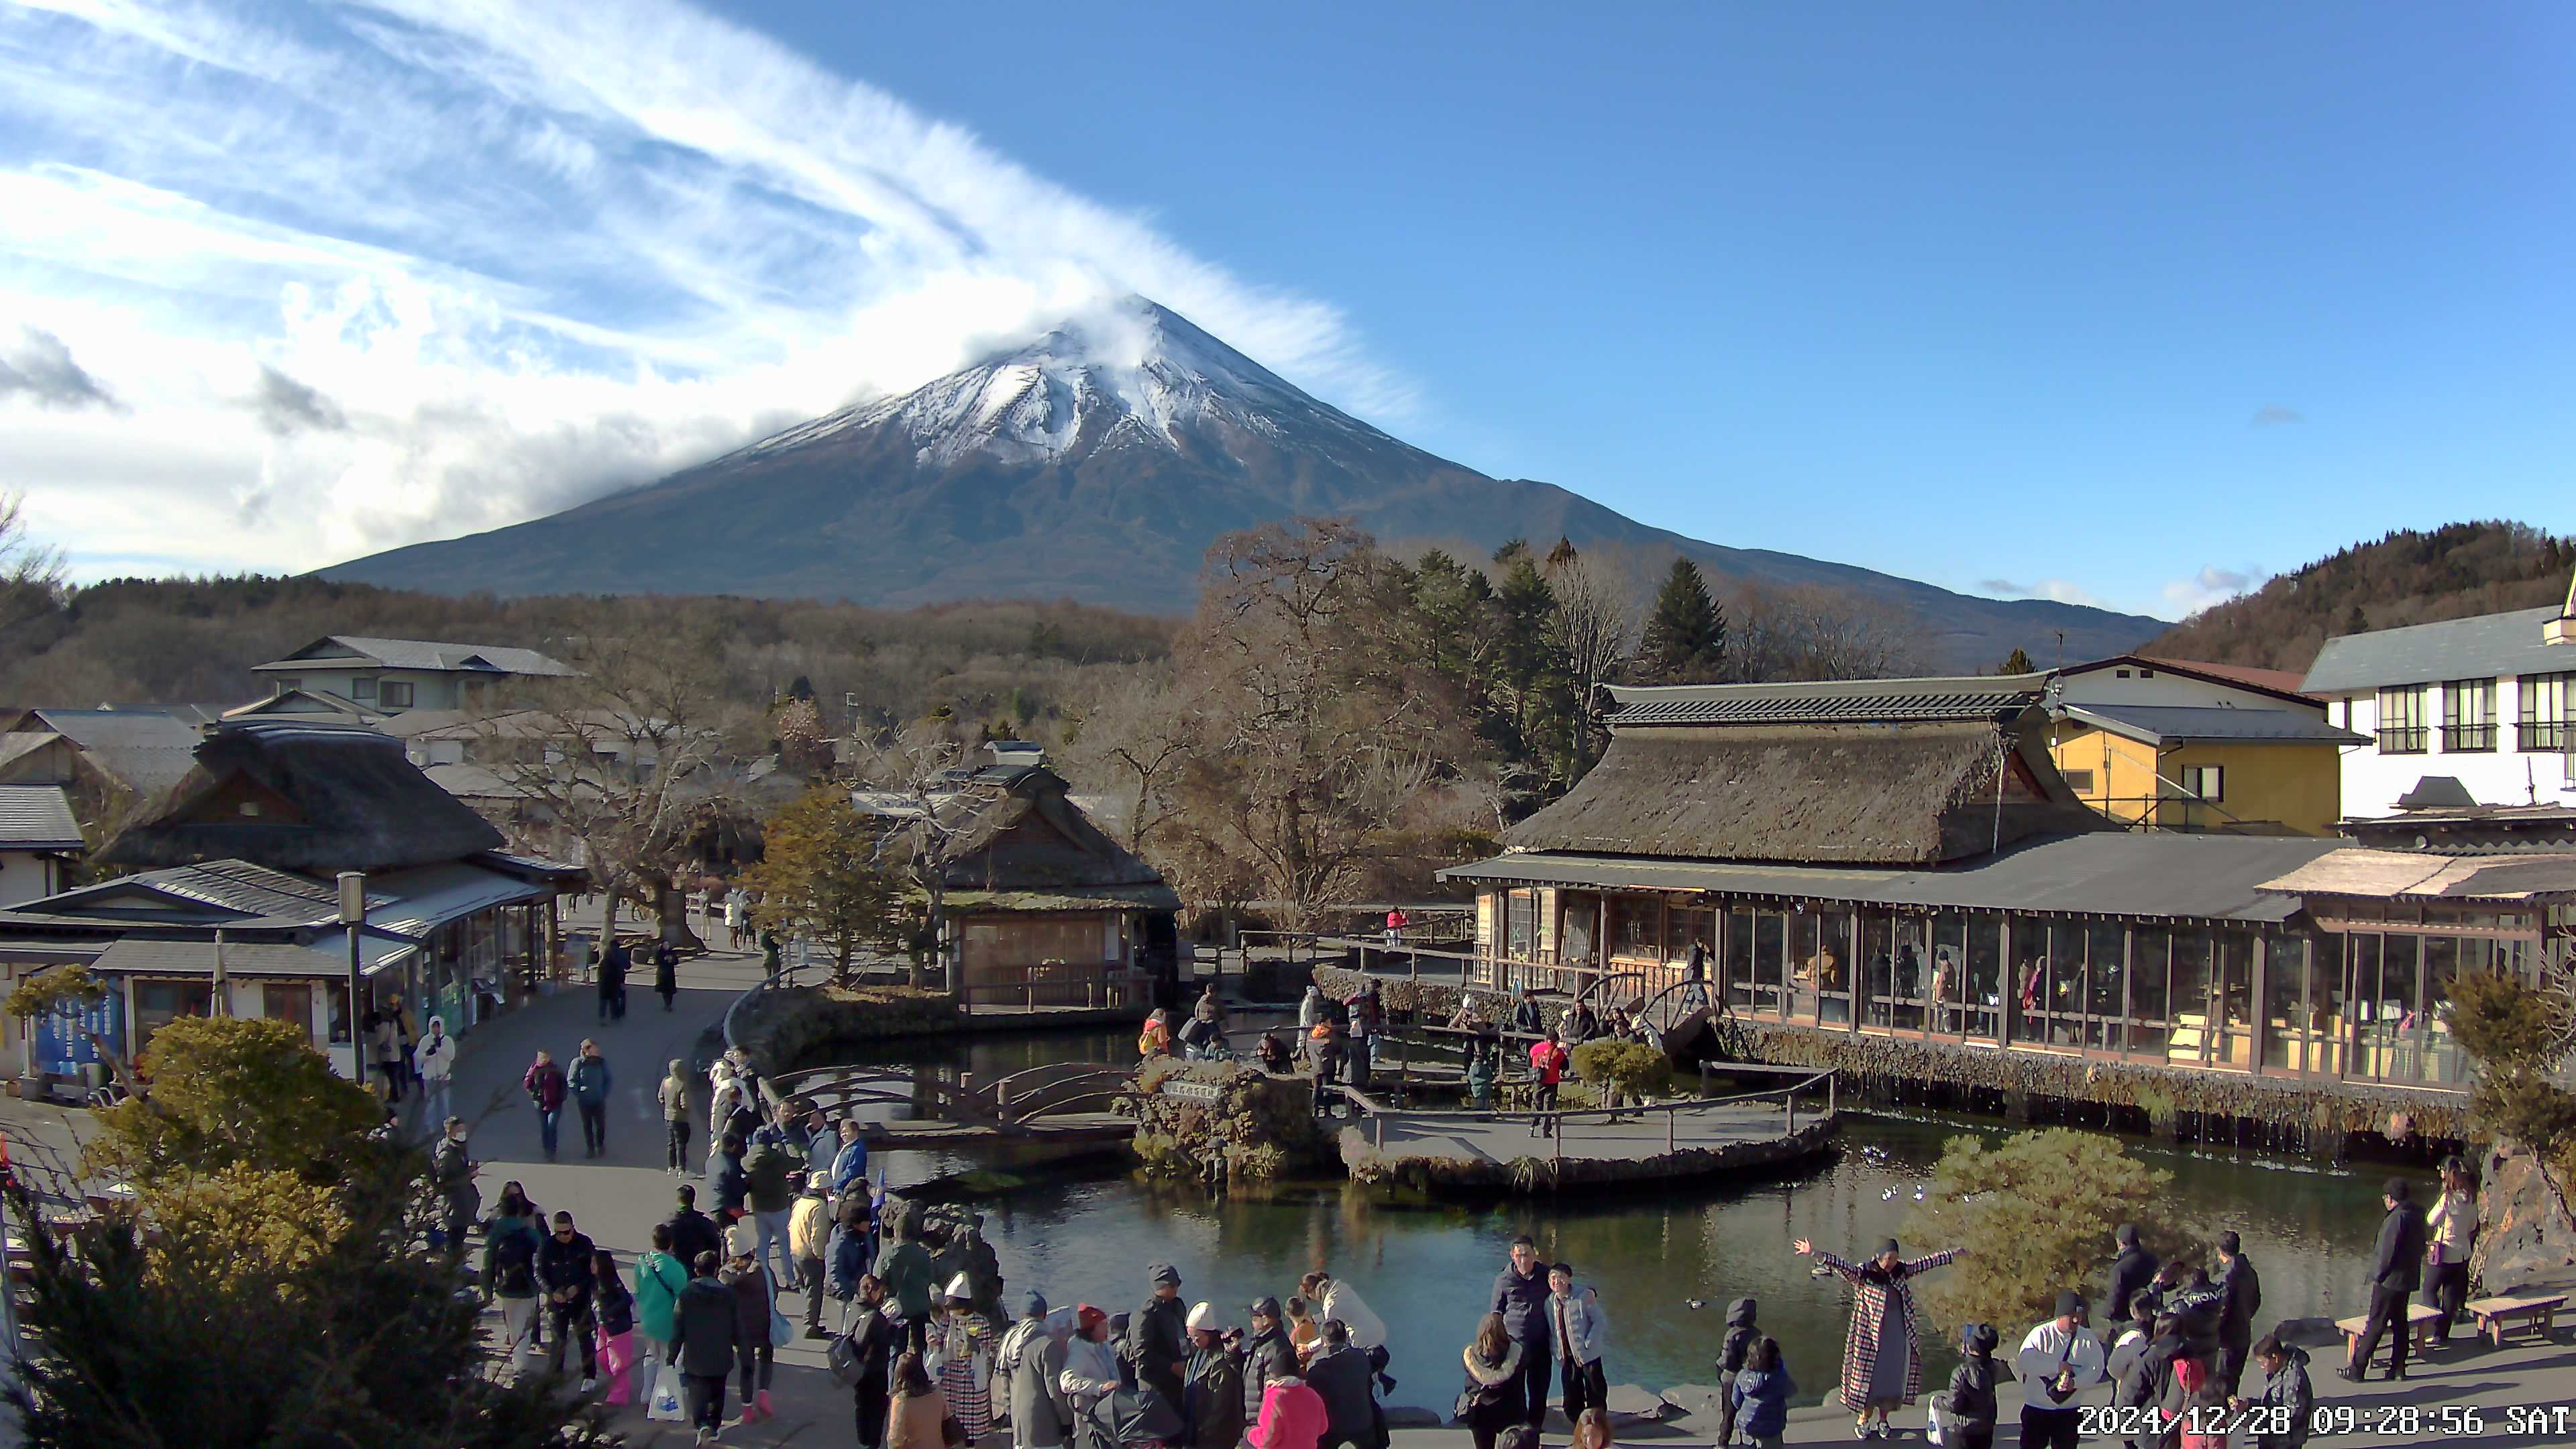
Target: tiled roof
[2487,646]
[1841,701]
[37,817]
[145,750]
[425,654]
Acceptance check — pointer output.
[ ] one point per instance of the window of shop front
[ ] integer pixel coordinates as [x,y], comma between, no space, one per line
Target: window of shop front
[1834,973]
[2193,997]
[2027,985]
[2106,981]
[1982,1001]
[2284,986]
[1520,925]
[1884,943]
[1636,928]
[2234,965]
[2150,1000]
[158,1003]
[1771,961]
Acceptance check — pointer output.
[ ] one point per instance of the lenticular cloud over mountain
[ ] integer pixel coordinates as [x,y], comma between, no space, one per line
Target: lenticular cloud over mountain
[522,253]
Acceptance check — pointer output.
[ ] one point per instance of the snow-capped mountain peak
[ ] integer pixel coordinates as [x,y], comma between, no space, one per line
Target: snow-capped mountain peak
[1130,373]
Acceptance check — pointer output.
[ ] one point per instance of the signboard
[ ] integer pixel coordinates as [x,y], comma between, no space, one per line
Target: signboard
[62,1046]
[1189,1091]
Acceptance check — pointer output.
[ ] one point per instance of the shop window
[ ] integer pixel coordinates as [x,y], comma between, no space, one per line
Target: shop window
[1982,1000]
[158,1003]
[2029,981]
[1520,925]
[290,1002]
[1770,958]
[1636,927]
[2106,981]
[2150,1007]
[2283,982]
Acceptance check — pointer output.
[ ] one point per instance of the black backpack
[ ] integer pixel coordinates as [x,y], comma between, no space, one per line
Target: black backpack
[514,1266]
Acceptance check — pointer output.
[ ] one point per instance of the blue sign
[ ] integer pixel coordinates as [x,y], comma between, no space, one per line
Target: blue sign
[62,1042]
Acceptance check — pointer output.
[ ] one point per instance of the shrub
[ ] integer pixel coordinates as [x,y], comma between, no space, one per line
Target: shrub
[1638,1071]
[2035,1217]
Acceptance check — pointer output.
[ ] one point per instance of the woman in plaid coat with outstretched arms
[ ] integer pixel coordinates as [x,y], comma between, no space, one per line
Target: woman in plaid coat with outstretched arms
[1882,1313]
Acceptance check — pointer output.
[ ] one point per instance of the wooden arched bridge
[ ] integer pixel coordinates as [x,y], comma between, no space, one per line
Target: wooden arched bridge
[918,1107]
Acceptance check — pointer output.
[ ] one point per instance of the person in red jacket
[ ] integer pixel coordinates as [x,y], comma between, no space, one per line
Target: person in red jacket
[547,1086]
[1547,1058]
[1292,1415]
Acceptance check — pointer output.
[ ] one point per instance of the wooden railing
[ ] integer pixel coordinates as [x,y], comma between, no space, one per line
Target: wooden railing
[1091,984]
[1809,1080]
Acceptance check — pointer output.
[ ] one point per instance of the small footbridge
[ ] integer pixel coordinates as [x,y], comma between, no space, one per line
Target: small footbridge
[924,1107]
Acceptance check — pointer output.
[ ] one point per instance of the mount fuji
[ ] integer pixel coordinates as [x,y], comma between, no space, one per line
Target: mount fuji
[1097,464]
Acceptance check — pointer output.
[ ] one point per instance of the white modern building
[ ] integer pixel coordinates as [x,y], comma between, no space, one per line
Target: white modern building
[2484,701]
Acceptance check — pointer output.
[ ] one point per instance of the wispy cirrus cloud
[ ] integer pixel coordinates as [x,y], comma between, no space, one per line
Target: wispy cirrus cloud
[391,269]
[2058,589]
[2276,416]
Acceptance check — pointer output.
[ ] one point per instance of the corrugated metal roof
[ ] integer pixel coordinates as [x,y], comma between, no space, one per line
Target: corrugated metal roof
[427,654]
[2489,645]
[2408,875]
[1854,701]
[420,901]
[327,957]
[2181,877]
[37,817]
[2159,723]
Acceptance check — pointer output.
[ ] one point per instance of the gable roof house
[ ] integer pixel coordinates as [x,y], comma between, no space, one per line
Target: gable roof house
[107,760]
[2174,744]
[37,834]
[393,675]
[1043,907]
[234,898]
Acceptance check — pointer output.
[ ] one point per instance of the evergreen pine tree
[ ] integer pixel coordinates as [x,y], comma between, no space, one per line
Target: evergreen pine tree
[1685,638]
[2356,622]
[2017,662]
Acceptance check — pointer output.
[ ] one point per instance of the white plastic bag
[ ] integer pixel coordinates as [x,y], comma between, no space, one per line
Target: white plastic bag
[1938,1429]
[665,1404]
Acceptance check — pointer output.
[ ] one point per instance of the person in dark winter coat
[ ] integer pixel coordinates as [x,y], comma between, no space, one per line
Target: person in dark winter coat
[547,1088]
[1342,1375]
[666,973]
[2285,1389]
[1493,1400]
[875,1340]
[613,969]
[1741,1339]
[1158,1339]
[1213,1402]
[590,1088]
[451,1170]
[1269,1355]
[2134,1269]
[1520,1296]
[2394,1276]
[2244,1298]
[693,1232]
[755,1355]
[566,1264]
[1970,1399]
[845,1260]
[725,1181]
[710,1327]
[1762,1393]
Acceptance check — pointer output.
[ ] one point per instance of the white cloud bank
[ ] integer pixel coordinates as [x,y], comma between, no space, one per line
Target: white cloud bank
[2211,586]
[350,276]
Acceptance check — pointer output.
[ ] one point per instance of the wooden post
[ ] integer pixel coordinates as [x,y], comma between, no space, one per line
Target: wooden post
[1790,1099]
[1832,1080]
[1669,1115]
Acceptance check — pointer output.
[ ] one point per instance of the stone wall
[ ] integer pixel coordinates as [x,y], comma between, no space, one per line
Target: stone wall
[2524,1237]
[788,1027]
[1542,1174]
[1225,1121]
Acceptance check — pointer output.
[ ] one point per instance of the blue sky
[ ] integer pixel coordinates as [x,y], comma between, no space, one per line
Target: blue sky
[2122,306]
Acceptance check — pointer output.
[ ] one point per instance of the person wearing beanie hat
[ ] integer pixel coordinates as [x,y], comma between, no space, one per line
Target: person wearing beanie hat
[809,1235]
[1882,1353]
[2241,1297]
[908,1274]
[2451,1228]
[1030,1360]
[1269,1353]
[964,1341]
[1212,1404]
[2395,1274]
[2133,1269]
[1158,1339]
[755,1357]
[1090,1371]
[1741,1336]
[2058,1360]
[1968,1405]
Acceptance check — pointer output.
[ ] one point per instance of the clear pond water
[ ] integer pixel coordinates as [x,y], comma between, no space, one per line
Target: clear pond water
[1427,1269]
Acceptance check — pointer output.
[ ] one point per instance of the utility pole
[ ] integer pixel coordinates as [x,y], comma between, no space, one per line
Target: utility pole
[353,915]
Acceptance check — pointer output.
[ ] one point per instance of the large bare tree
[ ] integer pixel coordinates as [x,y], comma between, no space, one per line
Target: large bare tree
[639,758]
[1311,732]
[31,574]
[915,779]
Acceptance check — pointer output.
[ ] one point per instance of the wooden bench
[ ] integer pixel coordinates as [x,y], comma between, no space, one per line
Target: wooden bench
[2495,1315]
[2422,1320]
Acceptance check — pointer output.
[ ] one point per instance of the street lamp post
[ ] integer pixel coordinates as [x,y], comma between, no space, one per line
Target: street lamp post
[353,915]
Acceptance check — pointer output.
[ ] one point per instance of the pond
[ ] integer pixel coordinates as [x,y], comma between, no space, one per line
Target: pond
[1426,1269]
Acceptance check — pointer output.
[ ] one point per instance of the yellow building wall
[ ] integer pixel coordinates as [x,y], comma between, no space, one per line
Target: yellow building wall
[2299,785]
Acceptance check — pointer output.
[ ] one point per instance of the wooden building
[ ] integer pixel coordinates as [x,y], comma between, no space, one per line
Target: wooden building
[1901,862]
[2171,744]
[1043,907]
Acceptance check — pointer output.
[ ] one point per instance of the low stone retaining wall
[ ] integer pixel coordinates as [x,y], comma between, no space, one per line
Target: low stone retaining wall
[1367,1163]
[786,1027]
[1225,1120]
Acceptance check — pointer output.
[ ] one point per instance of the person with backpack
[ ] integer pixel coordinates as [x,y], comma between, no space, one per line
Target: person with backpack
[547,1087]
[755,1352]
[1324,1055]
[1741,1338]
[2243,1298]
[1969,1402]
[567,1265]
[613,1310]
[710,1331]
[2058,1360]
[863,1358]
[589,1084]
[727,1185]
[660,1278]
[769,1185]
[510,1243]
[451,1172]
[909,1276]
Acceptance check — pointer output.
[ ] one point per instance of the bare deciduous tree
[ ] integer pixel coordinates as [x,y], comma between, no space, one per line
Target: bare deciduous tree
[31,574]
[1805,632]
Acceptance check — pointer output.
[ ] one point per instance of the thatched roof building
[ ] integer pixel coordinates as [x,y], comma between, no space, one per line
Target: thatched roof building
[303,795]
[1877,772]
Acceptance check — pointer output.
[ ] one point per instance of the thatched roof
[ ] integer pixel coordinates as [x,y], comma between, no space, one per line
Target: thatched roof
[303,795]
[1859,794]
[1032,838]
